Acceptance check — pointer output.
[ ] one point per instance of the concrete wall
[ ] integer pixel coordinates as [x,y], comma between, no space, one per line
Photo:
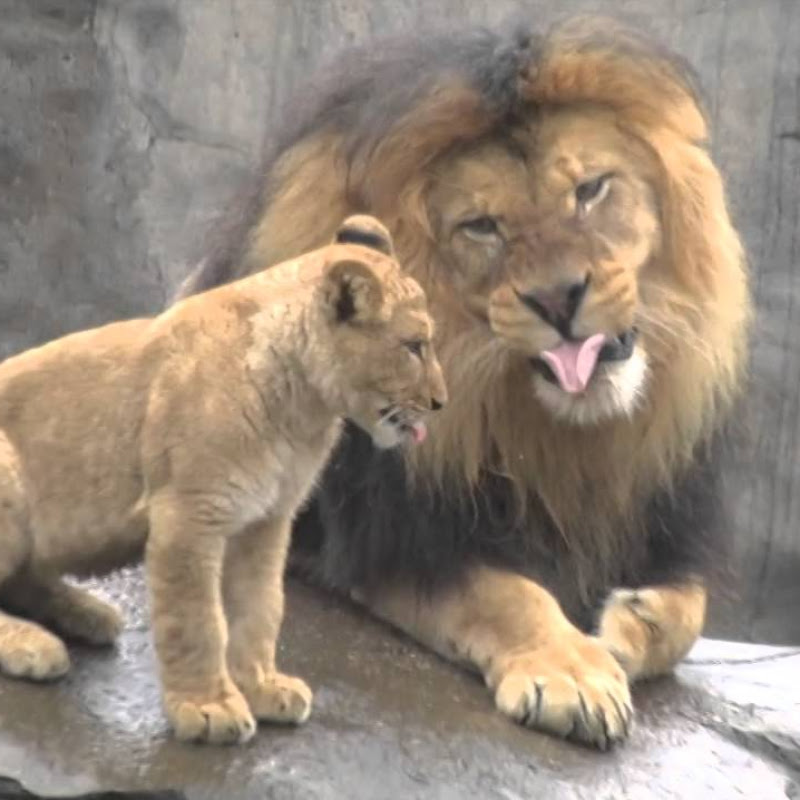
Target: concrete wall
[124,124]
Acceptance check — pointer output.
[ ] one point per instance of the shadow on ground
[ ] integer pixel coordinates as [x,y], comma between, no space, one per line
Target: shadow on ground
[392,721]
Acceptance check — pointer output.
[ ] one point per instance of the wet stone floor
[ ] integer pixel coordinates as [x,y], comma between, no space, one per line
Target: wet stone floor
[393,721]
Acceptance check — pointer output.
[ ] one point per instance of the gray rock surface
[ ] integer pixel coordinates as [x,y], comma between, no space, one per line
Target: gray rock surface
[392,721]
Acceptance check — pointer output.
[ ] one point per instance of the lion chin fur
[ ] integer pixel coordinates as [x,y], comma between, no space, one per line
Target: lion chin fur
[516,472]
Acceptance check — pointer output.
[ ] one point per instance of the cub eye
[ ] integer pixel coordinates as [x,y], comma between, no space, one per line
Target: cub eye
[592,191]
[414,346]
[480,227]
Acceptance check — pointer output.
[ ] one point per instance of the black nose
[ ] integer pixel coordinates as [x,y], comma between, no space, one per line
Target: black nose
[435,404]
[556,305]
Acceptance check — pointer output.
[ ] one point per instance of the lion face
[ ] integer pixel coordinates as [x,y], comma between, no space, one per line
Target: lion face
[549,236]
[378,342]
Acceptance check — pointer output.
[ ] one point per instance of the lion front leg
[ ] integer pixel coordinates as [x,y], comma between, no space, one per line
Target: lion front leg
[649,630]
[254,600]
[184,568]
[543,671]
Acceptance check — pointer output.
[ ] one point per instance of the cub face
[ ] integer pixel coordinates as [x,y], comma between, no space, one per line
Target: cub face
[379,337]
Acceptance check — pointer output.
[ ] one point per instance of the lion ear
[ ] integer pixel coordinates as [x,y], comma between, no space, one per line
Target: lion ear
[352,292]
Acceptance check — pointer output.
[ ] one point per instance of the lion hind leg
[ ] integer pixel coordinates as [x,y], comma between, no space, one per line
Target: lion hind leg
[649,630]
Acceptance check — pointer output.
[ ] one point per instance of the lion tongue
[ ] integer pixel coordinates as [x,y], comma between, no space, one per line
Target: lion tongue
[573,362]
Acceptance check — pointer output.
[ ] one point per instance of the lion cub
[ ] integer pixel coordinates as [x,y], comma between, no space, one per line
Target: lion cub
[194,437]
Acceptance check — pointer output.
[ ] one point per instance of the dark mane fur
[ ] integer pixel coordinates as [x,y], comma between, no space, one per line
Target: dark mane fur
[367,526]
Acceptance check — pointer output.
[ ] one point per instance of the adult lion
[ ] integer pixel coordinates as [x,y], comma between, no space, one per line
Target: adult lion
[555,197]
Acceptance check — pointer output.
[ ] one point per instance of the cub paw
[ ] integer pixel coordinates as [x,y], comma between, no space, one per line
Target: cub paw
[575,690]
[280,698]
[224,720]
[34,654]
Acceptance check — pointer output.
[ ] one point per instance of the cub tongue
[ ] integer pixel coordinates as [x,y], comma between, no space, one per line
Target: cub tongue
[573,362]
[419,431]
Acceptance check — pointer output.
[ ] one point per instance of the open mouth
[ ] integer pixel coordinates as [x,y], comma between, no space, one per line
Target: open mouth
[572,363]
[410,429]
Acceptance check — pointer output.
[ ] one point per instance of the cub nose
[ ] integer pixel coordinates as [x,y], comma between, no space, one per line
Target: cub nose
[556,305]
[436,405]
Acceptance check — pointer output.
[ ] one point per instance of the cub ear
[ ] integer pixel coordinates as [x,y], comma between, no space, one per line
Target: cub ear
[367,231]
[352,292]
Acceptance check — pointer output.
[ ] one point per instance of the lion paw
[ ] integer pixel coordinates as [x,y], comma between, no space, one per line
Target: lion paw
[33,653]
[280,698]
[226,720]
[575,690]
[649,630]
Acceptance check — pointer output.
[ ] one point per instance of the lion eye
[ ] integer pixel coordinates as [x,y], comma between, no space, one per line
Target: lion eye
[592,191]
[414,346]
[480,227]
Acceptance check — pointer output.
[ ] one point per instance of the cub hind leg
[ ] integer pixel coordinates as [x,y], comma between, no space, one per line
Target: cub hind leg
[27,650]
[72,611]
[253,592]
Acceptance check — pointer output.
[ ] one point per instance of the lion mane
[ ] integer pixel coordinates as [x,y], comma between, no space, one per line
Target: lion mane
[579,508]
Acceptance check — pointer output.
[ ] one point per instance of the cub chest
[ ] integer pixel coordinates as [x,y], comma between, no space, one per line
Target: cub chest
[289,469]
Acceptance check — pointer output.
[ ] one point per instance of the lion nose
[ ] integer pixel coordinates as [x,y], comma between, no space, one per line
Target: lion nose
[556,305]
[436,405]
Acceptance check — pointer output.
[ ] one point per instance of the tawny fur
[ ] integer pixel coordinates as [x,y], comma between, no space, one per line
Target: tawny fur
[665,258]
[543,671]
[650,630]
[197,435]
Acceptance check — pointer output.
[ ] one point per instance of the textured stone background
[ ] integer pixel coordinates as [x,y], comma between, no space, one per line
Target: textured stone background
[124,125]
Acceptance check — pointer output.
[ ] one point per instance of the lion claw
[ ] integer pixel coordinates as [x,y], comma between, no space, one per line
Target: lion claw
[577,692]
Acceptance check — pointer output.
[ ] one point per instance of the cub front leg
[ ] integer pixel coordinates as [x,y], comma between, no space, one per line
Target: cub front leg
[184,562]
[543,671]
[253,592]
[649,630]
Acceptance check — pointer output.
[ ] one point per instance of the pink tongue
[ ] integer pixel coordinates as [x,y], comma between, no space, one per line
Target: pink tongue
[419,431]
[573,362]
